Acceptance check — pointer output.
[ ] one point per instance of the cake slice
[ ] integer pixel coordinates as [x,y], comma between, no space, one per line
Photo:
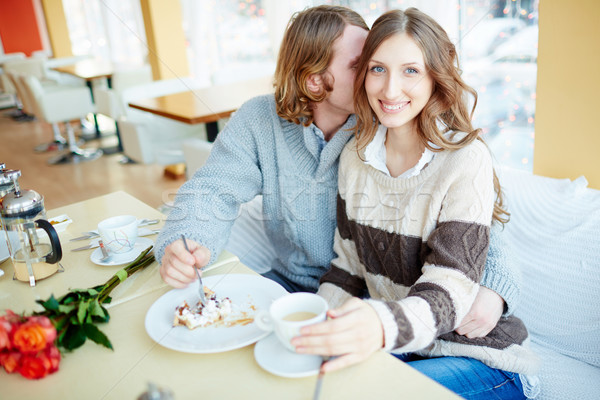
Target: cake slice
[202,315]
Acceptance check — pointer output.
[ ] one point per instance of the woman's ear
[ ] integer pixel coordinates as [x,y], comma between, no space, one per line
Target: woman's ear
[315,83]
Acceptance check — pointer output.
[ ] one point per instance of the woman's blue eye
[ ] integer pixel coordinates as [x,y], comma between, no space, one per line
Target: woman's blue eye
[411,71]
[378,69]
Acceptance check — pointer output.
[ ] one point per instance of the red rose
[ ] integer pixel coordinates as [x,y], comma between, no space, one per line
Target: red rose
[10,360]
[40,365]
[34,335]
[5,329]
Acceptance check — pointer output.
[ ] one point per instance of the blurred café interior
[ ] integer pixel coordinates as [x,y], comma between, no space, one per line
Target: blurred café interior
[105,95]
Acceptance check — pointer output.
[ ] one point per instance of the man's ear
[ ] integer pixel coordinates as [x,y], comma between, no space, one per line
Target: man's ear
[315,83]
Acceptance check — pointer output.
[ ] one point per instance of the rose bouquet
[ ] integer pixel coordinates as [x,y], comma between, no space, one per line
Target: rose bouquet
[30,345]
[27,345]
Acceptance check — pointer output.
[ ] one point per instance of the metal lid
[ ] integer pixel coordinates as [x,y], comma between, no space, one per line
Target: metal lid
[8,175]
[24,202]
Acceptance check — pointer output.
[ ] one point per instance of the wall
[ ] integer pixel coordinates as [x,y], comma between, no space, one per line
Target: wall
[19,27]
[567,142]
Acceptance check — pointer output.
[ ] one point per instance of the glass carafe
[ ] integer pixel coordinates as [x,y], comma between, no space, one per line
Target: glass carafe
[34,245]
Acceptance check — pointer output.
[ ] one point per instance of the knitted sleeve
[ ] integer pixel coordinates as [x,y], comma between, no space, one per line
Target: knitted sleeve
[206,206]
[501,273]
[455,259]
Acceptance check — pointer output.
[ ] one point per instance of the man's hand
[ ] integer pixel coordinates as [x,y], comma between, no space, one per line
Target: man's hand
[483,315]
[353,332]
[177,266]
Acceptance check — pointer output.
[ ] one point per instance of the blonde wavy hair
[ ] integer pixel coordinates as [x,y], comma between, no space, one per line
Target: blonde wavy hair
[446,111]
[307,49]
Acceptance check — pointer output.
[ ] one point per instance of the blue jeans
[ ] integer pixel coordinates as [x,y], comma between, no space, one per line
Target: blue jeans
[467,377]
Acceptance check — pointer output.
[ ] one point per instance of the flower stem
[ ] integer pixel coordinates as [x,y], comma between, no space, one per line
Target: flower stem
[142,261]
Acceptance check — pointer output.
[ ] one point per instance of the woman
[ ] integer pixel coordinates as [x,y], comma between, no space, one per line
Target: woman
[417,196]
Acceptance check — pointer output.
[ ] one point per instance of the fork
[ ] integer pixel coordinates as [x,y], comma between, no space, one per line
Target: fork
[200,285]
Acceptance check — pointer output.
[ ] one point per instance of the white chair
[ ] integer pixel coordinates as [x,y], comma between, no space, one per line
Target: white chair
[29,108]
[195,154]
[149,138]
[61,78]
[5,84]
[62,104]
[108,100]
[25,66]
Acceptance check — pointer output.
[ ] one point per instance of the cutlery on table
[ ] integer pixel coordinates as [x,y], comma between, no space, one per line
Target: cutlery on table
[317,392]
[94,234]
[96,244]
[105,255]
[201,286]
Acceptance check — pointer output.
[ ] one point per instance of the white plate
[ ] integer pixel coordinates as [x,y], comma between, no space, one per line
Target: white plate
[243,290]
[275,358]
[140,245]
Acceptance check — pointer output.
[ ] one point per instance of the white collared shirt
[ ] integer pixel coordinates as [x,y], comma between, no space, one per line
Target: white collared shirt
[375,156]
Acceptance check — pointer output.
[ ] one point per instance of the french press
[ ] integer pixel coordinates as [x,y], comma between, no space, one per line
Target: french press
[22,214]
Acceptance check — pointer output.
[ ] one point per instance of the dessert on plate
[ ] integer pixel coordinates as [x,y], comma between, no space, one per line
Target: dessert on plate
[214,312]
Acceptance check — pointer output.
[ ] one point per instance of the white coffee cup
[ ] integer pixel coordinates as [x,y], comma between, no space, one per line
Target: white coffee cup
[288,314]
[119,233]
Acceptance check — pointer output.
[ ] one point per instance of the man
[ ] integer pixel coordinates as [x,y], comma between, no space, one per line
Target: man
[286,147]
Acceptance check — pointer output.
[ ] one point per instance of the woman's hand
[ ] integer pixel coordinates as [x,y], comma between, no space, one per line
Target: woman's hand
[483,315]
[353,332]
[177,265]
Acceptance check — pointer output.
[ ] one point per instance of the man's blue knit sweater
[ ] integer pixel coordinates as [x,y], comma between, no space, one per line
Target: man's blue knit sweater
[259,153]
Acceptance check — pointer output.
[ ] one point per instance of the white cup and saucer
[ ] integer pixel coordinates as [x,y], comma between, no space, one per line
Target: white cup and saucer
[120,237]
[285,317]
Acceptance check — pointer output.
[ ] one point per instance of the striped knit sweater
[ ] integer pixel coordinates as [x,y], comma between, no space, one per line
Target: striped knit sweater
[417,247]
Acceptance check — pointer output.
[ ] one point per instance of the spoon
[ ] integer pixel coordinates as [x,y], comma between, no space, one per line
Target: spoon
[105,255]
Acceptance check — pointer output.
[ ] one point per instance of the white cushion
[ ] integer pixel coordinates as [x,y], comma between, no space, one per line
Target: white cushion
[554,234]
[564,377]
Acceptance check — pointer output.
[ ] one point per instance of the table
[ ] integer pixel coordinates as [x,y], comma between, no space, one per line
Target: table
[94,372]
[89,70]
[206,105]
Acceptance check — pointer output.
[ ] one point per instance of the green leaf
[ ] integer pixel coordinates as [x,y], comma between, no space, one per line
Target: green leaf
[95,309]
[70,297]
[74,337]
[82,311]
[65,309]
[121,274]
[96,335]
[51,304]
[102,319]
[92,292]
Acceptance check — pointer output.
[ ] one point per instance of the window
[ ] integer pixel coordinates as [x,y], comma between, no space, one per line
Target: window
[107,29]
[228,40]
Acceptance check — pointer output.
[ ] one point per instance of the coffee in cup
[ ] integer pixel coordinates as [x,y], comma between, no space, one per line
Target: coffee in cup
[288,314]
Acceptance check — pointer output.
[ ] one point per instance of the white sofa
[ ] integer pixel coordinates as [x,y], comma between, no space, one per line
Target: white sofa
[554,235]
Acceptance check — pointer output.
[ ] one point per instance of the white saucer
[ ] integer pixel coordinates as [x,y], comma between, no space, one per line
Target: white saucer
[140,245]
[273,357]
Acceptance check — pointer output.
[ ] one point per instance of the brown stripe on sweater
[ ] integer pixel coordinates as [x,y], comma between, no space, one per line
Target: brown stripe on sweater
[342,219]
[352,284]
[395,256]
[454,244]
[461,246]
[509,330]
[440,303]
[405,331]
